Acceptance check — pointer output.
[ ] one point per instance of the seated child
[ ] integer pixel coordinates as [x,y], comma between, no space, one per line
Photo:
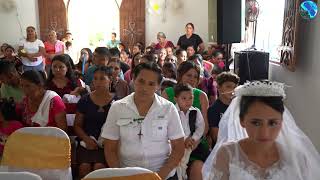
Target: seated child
[8,121]
[192,123]
[227,82]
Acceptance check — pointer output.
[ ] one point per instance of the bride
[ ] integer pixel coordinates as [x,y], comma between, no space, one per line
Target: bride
[259,140]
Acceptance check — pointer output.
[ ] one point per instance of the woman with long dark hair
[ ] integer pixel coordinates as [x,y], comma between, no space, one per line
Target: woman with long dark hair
[61,77]
[85,60]
[41,107]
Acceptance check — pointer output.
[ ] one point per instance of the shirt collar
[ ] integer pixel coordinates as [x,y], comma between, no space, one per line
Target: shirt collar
[129,101]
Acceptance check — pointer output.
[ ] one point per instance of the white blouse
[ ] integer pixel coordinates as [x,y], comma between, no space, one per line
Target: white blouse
[31,47]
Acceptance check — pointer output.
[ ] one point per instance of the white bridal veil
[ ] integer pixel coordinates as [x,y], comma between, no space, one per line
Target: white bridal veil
[299,152]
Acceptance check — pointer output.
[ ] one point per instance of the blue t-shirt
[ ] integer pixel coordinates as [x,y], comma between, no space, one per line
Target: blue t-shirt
[88,77]
[111,44]
[215,113]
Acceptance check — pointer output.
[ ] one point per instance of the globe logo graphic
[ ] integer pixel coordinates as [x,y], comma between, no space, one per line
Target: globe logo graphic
[308,10]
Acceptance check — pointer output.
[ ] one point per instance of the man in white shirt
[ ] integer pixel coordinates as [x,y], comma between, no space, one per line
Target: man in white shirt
[144,129]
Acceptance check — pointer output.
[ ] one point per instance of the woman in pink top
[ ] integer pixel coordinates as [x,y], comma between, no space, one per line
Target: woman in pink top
[8,121]
[41,107]
[53,47]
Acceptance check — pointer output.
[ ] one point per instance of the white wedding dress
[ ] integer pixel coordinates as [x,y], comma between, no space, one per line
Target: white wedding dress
[233,164]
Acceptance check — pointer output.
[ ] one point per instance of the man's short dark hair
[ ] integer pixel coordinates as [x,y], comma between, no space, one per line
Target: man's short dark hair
[114,52]
[181,87]
[103,51]
[227,77]
[148,66]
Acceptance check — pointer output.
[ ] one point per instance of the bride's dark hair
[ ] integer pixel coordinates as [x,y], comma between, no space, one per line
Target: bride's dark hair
[275,103]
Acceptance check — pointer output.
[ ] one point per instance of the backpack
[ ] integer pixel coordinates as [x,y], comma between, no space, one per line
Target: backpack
[202,151]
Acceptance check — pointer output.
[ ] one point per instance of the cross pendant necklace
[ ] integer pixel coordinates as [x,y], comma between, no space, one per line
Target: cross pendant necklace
[139,121]
[140,134]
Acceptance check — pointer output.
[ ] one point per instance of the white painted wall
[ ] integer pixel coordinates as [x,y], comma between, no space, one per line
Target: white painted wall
[195,11]
[26,13]
[192,11]
[304,96]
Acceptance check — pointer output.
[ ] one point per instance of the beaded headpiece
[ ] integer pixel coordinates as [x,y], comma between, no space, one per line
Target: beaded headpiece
[261,88]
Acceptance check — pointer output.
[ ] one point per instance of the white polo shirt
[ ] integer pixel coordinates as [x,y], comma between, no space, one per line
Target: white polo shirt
[185,123]
[152,149]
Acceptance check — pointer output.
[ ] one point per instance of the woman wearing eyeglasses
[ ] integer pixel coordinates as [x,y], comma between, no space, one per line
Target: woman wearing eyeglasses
[61,77]
[144,129]
[62,80]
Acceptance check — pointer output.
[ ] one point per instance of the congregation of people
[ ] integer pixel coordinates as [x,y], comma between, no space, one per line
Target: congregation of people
[157,107]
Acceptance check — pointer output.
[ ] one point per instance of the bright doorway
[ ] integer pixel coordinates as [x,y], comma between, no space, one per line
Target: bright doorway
[92,22]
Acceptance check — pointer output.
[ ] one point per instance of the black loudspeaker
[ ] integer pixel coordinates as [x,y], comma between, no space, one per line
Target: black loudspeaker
[251,65]
[229,21]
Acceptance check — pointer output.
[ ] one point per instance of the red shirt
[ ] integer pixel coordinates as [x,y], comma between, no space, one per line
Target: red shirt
[57,106]
[50,49]
[168,44]
[62,91]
